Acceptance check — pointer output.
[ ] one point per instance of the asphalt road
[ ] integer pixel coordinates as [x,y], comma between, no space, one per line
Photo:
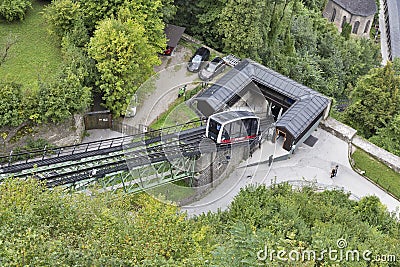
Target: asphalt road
[308,164]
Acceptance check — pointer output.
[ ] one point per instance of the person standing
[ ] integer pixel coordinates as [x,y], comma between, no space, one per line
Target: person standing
[334,171]
[181,92]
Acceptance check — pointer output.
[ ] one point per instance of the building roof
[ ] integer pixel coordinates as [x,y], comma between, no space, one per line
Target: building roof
[363,8]
[394,27]
[308,104]
[173,34]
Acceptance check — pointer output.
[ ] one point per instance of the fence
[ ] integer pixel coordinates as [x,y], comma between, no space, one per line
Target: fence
[128,129]
[98,120]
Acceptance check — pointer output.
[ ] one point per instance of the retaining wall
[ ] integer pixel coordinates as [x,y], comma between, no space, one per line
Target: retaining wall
[348,134]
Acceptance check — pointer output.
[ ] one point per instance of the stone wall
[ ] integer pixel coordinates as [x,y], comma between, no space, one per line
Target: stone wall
[219,167]
[348,134]
[350,18]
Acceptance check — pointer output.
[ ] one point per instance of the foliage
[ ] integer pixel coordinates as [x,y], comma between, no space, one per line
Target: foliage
[40,227]
[125,39]
[12,10]
[95,11]
[10,104]
[388,137]
[281,218]
[34,54]
[125,58]
[377,171]
[375,101]
[346,30]
[69,92]
[62,16]
[317,5]
[289,36]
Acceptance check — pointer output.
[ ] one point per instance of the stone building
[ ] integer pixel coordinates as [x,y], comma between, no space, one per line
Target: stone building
[358,13]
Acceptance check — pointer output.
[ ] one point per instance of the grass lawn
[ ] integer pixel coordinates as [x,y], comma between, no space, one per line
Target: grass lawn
[35,54]
[173,192]
[177,113]
[377,172]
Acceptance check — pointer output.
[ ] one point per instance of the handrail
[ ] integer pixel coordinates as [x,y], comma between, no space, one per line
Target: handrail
[84,147]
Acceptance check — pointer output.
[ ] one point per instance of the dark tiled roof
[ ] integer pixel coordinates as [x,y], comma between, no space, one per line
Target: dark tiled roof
[306,108]
[358,7]
[393,14]
[173,34]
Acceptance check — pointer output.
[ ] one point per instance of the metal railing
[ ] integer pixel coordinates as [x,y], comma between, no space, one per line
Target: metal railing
[50,153]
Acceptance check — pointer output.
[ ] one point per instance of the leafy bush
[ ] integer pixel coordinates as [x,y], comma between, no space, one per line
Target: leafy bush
[14,9]
[40,227]
[62,16]
[10,104]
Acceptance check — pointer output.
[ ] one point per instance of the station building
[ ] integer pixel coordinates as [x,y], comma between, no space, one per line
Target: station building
[296,109]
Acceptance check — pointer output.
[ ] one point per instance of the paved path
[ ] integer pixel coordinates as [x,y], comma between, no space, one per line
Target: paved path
[308,163]
[158,92]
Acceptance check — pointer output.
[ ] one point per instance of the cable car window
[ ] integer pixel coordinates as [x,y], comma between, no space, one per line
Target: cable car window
[247,125]
[254,126]
[225,135]
[235,129]
[214,127]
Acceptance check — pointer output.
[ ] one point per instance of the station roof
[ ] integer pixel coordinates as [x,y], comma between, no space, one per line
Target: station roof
[363,8]
[394,27]
[173,34]
[306,108]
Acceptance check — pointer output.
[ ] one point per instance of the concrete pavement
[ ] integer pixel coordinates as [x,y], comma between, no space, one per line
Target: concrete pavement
[312,164]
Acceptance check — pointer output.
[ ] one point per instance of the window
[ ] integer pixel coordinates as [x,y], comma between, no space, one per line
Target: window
[367,26]
[355,27]
[344,21]
[333,15]
[214,127]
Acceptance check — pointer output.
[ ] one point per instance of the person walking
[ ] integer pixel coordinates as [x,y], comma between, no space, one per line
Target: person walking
[334,171]
[181,92]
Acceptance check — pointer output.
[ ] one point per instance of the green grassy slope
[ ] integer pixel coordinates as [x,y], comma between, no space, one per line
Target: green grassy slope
[378,172]
[35,54]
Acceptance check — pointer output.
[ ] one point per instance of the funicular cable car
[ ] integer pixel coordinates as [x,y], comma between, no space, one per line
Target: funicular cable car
[232,127]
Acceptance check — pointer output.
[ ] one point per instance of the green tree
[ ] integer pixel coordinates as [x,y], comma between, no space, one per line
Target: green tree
[125,59]
[62,16]
[375,100]
[70,92]
[10,104]
[346,30]
[12,10]
[389,137]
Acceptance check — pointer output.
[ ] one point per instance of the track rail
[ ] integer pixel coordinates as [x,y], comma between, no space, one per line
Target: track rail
[91,161]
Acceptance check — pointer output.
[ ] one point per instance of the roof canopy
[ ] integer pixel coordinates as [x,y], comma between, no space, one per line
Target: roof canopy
[308,104]
[173,34]
[363,8]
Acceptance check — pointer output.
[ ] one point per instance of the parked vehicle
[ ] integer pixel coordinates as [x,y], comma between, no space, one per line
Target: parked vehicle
[213,68]
[196,61]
